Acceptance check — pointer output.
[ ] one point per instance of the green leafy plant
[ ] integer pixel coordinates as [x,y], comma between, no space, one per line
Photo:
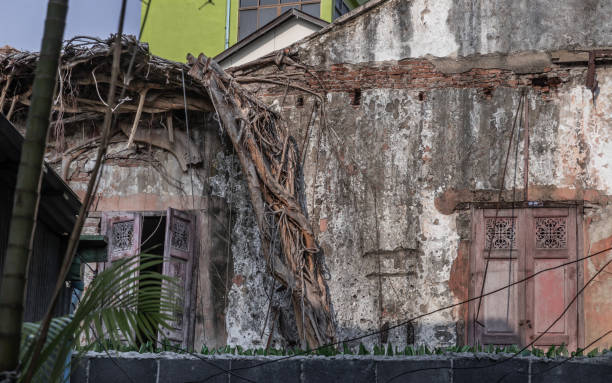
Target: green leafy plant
[124,306]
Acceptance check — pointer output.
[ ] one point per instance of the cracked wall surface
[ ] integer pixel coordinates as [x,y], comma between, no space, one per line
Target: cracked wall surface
[391,177]
[389,180]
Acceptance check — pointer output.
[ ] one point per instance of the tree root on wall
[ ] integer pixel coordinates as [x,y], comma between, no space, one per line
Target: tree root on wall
[271,165]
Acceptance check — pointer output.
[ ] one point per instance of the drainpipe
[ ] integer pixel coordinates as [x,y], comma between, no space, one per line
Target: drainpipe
[227,22]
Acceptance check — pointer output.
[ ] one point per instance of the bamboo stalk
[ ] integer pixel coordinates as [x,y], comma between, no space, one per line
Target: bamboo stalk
[76,231]
[27,190]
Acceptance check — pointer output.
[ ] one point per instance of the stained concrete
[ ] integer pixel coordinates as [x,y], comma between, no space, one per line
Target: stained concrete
[398,29]
[375,175]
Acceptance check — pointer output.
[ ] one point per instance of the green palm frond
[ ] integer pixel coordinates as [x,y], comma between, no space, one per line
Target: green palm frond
[125,304]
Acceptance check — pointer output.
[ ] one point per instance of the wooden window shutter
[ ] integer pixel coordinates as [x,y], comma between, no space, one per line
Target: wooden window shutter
[124,233]
[178,263]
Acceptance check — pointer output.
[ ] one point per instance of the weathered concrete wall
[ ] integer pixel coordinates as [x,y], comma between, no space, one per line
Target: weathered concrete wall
[392,172]
[394,166]
[397,29]
[456,368]
[148,179]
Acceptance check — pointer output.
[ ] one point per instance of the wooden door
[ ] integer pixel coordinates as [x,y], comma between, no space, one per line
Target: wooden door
[124,232]
[518,244]
[498,240]
[178,263]
[551,241]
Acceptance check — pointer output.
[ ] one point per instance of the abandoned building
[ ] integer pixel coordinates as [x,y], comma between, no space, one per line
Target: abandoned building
[58,207]
[447,148]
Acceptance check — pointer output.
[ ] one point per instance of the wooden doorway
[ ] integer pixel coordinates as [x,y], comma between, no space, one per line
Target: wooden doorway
[171,234]
[516,243]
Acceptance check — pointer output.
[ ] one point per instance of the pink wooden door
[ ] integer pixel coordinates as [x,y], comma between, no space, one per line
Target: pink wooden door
[551,241]
[178,263]
[535,239]
[498,240]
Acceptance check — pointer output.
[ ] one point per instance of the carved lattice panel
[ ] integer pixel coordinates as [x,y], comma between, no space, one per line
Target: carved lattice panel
[122,236]
[500,233]
[551,233]
[180,234]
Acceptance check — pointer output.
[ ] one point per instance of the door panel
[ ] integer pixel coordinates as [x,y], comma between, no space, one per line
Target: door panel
[497,239]
[551,242]
[178,263]
[124,232]
[500,310]
[517,245]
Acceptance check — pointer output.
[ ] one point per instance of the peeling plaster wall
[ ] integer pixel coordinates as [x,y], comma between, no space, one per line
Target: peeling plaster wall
[375,177]
[248,322]
[397,29]
[380,166]
[150,179]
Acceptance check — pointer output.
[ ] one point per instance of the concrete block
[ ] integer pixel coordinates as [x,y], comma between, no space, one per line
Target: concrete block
[285,371]
[321,370]
[122,370]
[78,373]
[434,371]
[193,370]
[575,371]
[468,370]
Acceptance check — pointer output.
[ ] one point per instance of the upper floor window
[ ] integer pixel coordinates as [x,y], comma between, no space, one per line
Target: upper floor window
[340,8]
[254,14]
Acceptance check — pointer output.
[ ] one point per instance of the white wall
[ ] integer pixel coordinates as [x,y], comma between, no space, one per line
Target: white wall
[286,34]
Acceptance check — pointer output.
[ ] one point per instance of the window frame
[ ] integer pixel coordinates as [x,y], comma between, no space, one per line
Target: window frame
[278,6]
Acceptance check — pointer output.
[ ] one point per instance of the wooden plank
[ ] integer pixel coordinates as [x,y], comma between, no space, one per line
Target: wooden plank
[214,271]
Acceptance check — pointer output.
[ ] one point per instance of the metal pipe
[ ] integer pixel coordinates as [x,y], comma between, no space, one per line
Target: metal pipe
[227,22]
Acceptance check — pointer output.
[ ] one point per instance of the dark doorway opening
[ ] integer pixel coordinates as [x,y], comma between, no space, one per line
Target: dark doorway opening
[152,241]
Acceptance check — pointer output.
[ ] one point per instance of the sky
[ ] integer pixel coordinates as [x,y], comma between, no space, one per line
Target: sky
[22,21]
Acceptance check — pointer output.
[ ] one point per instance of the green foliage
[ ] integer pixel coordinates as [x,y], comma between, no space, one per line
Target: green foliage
[125,305]
[363,350]
[378,350]
[346,349]
[594,352]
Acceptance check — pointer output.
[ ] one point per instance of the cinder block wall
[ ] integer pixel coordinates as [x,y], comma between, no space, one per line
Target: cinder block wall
[449,368]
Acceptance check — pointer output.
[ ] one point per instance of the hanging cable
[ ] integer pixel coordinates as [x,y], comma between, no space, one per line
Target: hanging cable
[188,139]
[405,322]
[530,344]
[513,223]
[499,197]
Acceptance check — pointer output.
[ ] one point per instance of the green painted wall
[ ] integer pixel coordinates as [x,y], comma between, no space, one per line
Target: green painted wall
[177,27]
[234,23]
[327,8]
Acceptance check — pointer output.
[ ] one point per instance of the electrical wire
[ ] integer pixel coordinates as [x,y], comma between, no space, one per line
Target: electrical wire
[560,363]
[530,344]
[403,323]
[188,138]
[501,189]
